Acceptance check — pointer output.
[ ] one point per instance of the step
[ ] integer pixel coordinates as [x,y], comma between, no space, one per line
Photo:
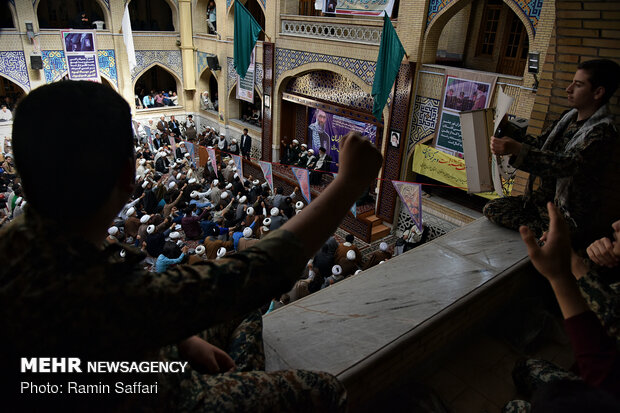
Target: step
[378,232]
[373,220]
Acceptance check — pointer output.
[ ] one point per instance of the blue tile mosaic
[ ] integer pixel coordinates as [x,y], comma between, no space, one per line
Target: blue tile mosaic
[13,66]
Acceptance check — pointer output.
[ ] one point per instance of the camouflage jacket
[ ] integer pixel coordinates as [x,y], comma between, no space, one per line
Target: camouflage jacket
[592,200]
[601,289]
[62,296]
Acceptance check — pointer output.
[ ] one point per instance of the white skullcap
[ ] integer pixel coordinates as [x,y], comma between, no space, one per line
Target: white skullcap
[174,165]
[267,222]
[298,211]
[113,230]
[179,160]
[172,184]
[247,232]
[299,205]
[383,246]
[180,243]
[357,272]
[215,182]
[137,177]
[145,184]
[175,235]
[234,140]
[192,181]
[200,250]
[295,141]
[274,211]
[235,176]
[222,134]
[179,175]
[131,211]
[381,262]
[177,227]
[231,162]
[336,270]
[304,145]
[350,255]
[194,194]
[228,186]
[150,229]
[249,211]
[265,229]
[256,182]
[234,169]
[145,219]
[311,151]
[142,161]
[243,199]
[187,155]
[224,195]
[221,252]
[122,253]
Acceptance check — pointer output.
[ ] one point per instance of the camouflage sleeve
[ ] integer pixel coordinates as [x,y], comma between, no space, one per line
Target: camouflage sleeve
[150,310]
[547,163]
[603,298]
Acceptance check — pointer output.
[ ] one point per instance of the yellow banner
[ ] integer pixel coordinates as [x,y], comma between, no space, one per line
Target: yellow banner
[442,167]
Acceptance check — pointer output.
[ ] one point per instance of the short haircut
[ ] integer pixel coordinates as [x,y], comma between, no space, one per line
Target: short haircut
[602,72]
[245,129]
[349,238]
[73,157]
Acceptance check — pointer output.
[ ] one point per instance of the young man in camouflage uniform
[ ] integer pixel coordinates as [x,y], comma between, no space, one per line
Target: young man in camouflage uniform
[576,159]
[64,292]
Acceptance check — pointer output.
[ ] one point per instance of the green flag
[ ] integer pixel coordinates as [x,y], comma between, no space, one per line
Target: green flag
[246,35]
[391,53]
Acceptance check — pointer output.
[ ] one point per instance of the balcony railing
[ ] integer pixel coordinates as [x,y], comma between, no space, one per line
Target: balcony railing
[366,31]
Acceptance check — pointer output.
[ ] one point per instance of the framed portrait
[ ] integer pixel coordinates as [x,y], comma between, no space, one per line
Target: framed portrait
[395,139]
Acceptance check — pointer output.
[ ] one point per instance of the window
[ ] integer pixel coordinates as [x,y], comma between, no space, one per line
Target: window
[488,27]
[516,45]
[306,8]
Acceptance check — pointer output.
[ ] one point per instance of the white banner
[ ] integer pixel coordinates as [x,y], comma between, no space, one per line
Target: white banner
[245,86]
[359,7]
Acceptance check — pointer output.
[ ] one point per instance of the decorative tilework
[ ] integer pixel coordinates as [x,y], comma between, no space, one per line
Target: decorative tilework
[232,75]
[107,3]
[301,123]
[170,59]
[332,87]
[107,64]
[54,64]
[423,119]
[13,66]
[531,9]
[287,59]
[201,61]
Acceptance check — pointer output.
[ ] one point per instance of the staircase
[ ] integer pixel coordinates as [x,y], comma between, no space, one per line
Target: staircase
[378,230]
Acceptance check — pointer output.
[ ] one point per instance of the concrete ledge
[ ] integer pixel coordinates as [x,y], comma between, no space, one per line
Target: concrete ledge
[373,328]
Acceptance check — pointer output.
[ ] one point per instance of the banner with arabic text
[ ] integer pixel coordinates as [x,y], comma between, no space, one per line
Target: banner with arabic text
[359,7]
[81,54]
[267,172]
[239,165]
[411,195]
[303,179]
[191,151]
[442,167]
[211,153]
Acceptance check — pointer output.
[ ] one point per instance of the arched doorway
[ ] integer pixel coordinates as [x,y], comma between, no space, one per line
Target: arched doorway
[157,80]
[151,15]
[208,83]
[6,17]
[483,35]
[63,14]
[10,93]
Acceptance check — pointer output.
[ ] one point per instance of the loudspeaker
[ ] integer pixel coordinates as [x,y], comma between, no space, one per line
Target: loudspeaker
[213,63]
[36,62]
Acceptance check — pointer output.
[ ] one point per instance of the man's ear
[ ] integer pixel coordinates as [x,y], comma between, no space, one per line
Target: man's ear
[599,92]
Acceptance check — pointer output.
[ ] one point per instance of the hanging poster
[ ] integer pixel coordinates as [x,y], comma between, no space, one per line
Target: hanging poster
[81,54]
[267,172]
[245,86]
[303,179]
[358,7]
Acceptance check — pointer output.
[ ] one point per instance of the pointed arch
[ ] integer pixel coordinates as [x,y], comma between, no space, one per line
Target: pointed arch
[102,6]
[174,16]
[177,79]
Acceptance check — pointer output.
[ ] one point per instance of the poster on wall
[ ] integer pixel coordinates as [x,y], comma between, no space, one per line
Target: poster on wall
[245,86]
[358,7]
[81,54]
[326,129]
[459,95]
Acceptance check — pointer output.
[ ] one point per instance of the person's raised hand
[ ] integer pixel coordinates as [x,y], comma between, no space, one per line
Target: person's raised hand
[601,252]
[552,260]
[360,161]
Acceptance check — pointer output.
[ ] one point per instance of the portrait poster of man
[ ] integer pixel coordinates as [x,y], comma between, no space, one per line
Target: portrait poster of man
[326,129]
[78,41]
[464,94]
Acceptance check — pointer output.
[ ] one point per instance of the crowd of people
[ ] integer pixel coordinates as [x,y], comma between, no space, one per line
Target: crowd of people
[156,99]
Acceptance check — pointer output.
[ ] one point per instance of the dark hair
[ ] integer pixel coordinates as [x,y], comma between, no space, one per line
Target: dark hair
[349,238]
[602,72]
[279,190]
[245,129]
[53,164]
[171,250]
